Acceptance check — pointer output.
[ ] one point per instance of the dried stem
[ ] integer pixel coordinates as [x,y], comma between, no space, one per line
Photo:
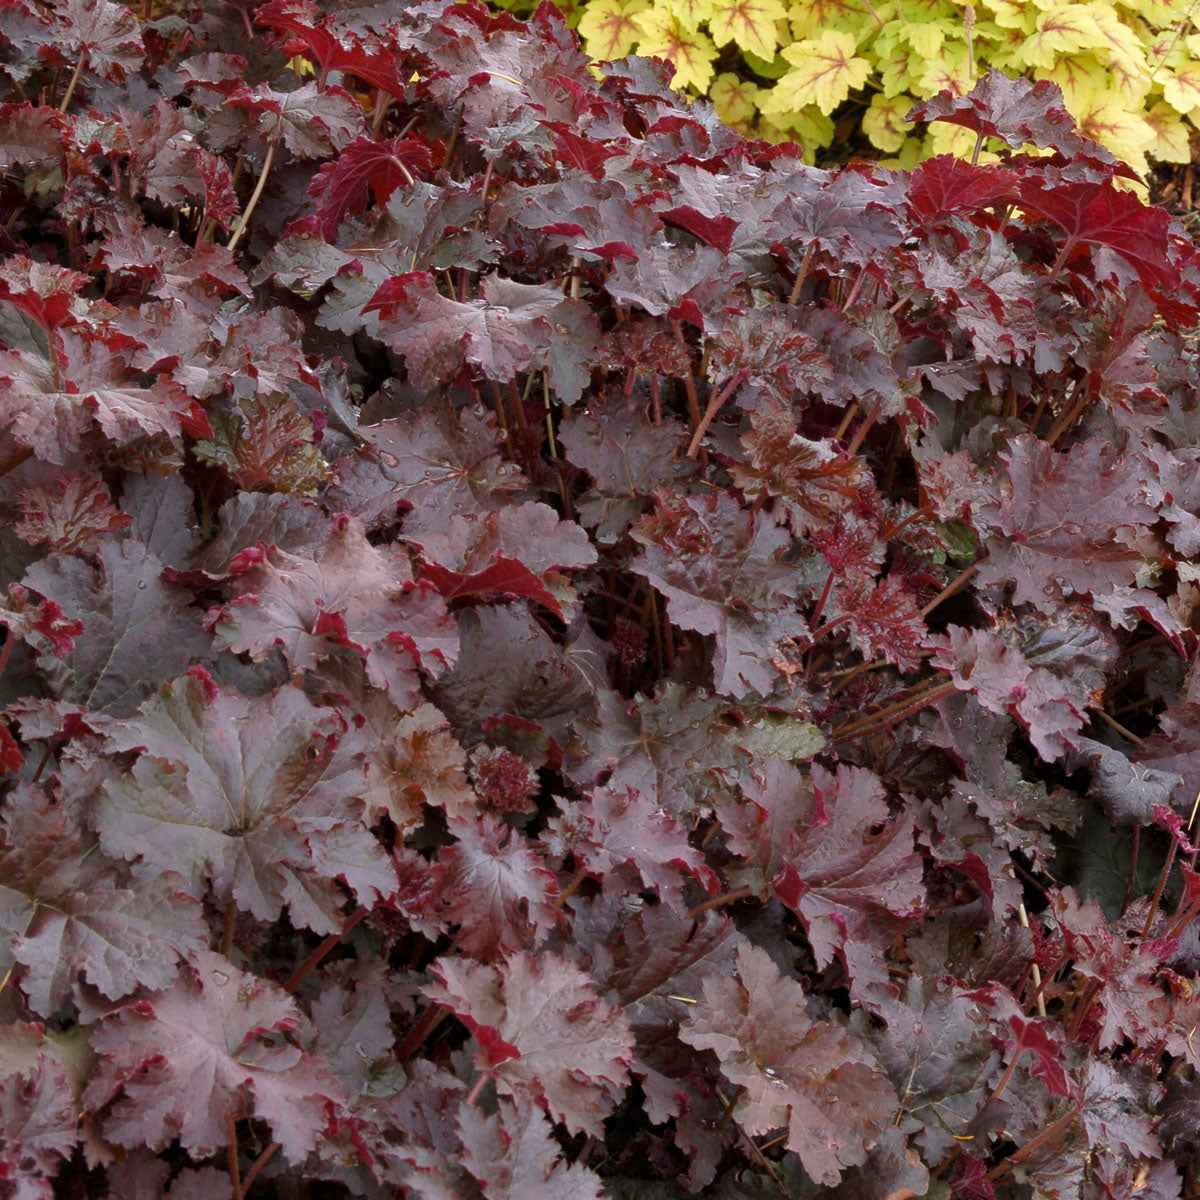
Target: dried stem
[575,884]
[1113,723]
[844,423]
[70,92]
[244,220]
[1023,917]
[802,273]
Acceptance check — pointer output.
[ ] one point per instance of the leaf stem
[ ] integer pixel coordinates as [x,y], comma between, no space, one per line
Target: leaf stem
[1035,970]
[235,1180]
[258,1164]
[714,407]
[742,893]
[1053,1130]
[420,1031]
[802,273]
[1161,887]
[244,220]
[319,955]
[689,382]
[893,712]
[959,582]
[70,92]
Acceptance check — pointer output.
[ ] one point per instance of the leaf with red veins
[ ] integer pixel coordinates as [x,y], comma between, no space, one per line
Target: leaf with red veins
[682,282]
[70,914]
[39,1113]
[509,553]
[628,458]
[1052,706]
[1059,521]
[884,622]
[815,1078]
[1100,214]
[836,857]
[183,173]
[429,464]
[413,759]
[260,796]
[494,885]
[170,267]
[772,351]
[136,633]
[674,747]
[265,445]
[32,137]
[1020,813]
[11,758]
[108,36]
[513,1155]
[219,1044]
[313,121]
[365,168]
[937,1050]
[592,218]
[40,623]
[1018,112]
[542,1031]
[1122,972]
[52,407]
[945,186]
[347,593]
[721,571]
[335,50]
[813,481]
[506,332]
[618,826]
[42,291]
[852,216]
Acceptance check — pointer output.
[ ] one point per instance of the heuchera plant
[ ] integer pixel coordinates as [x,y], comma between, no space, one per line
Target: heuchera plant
[551,651]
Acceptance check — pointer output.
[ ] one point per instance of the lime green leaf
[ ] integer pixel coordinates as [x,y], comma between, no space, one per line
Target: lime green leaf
[1181,89]
[1123,132]
[951,70]
[749,23]
[608,29]
[825,69]
[1064,30]
[777,68]
[690,52]
[811,18]
[735,100]
[690,13]
[884,121]
[1171,140]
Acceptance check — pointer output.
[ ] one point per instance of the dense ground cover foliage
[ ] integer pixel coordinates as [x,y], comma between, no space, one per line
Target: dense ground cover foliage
[832,73]
[553,651]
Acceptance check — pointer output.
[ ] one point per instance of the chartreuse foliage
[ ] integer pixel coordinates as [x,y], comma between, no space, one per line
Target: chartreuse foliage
[816,70]
[552,651]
